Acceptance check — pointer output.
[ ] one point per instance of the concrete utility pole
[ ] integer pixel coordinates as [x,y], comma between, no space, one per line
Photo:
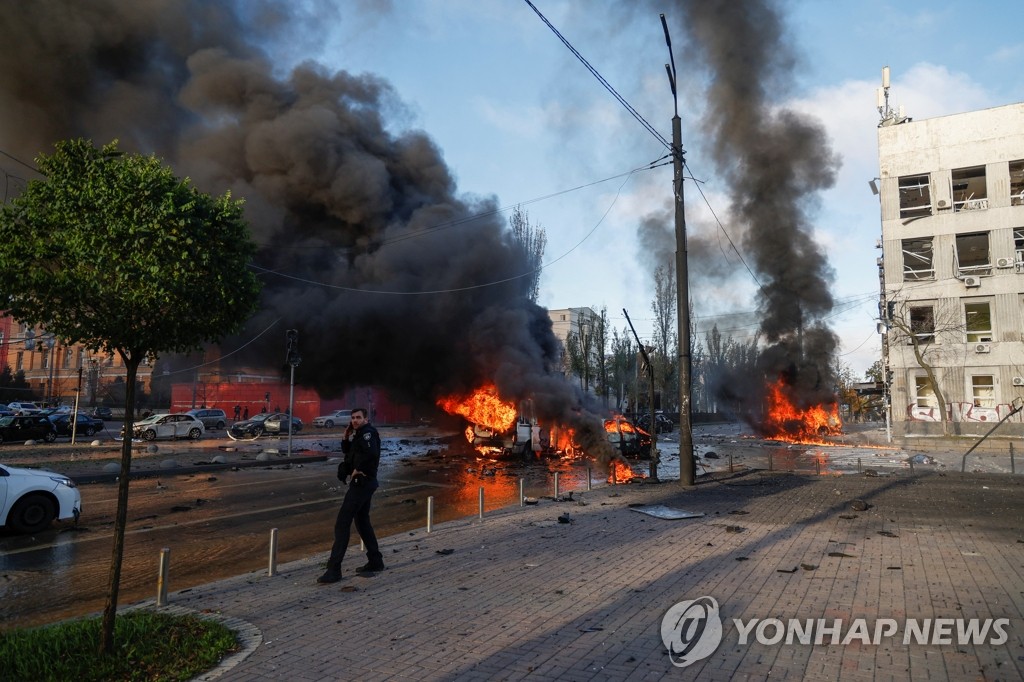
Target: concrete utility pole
[293,358]
[687,465]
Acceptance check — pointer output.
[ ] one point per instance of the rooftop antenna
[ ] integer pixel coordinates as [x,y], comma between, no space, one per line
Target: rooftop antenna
[889,115]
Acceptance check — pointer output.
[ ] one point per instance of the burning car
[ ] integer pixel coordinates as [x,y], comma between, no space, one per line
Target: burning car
[628,439]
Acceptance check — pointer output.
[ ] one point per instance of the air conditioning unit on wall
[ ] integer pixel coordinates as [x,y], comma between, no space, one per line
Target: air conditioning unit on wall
[1018,381]
[972,281]
[982,347]
[1004,262]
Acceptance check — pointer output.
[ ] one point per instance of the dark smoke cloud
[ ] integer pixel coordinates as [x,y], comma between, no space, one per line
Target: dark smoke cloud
[774,161]
[345,211]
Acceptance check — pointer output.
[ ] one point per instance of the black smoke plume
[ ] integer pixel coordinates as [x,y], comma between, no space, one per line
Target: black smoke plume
[774,161]
[391,278]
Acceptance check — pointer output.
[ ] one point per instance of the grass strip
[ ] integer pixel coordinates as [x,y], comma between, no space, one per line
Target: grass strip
[147,646]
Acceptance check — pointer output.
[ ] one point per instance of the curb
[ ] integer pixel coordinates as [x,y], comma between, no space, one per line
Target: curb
[105,477]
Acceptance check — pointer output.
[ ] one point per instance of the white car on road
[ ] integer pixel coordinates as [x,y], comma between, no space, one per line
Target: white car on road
[336,418]
[168,426]
[30,499]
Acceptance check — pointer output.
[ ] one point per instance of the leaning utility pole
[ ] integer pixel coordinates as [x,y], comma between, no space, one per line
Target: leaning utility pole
[687,465]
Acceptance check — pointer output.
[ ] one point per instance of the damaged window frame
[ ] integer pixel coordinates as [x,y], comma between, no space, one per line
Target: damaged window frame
[1017,183]
[978,321]
[924,392]
[921,322]
[915,196]
[970,189]
[972,265]
[918,260]
[983,393]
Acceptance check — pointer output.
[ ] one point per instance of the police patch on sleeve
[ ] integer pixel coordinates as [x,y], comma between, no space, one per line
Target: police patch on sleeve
[366,437]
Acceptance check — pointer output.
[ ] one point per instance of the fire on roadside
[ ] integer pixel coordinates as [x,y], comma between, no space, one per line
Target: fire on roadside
[619,471]
[785,421]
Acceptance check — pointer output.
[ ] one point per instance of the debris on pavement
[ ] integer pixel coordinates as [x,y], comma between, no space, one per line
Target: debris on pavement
[661,511]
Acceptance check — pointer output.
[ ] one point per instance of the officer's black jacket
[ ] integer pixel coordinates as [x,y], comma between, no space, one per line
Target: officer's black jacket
[362,453]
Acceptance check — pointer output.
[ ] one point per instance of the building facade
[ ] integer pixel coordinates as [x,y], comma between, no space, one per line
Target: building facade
[55,370]
[952,269]
[565,321]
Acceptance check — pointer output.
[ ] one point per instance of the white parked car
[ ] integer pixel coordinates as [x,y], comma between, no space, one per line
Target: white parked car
[168,426]
[23,408]
[336,418]
[30,499]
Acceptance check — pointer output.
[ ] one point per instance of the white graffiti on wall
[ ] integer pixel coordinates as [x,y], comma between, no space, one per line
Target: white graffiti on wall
[963,412]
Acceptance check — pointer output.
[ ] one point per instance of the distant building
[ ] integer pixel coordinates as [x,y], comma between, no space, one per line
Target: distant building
[952,267]
[565,321]
[52,368]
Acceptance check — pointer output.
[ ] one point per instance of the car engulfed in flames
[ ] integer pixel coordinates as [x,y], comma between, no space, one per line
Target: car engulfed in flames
[499,428]
[786,421]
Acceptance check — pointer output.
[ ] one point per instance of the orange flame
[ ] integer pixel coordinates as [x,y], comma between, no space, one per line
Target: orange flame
[787,422]
[482,407]
[620,472]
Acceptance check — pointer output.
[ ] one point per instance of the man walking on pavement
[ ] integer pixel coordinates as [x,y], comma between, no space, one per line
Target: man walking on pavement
[361,446]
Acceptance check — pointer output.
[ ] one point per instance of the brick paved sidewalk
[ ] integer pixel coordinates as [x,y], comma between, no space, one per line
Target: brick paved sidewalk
[524,596]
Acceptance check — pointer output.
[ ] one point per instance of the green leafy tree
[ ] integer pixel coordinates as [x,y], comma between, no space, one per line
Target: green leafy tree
[113,251]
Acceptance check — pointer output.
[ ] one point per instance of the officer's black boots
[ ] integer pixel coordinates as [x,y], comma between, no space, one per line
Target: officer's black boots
[332,575]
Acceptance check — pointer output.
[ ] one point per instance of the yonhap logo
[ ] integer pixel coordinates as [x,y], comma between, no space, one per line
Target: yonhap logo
[691,630]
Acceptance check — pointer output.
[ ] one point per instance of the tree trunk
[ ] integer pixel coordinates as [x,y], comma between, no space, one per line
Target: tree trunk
[121,517]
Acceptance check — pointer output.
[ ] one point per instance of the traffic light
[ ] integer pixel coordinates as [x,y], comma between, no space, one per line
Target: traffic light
[292,347]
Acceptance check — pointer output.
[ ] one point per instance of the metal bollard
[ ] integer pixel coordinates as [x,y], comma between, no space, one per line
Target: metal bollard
[590,482]
[817,466]
[556,485]
[430,514]
[1013,466]
[730,462]
[481,503]
[161,581]
[522,491]
[910,461]
[272,565]
[860,468]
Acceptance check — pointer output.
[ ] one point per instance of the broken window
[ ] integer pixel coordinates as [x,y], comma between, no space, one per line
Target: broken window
[978,322]
[970,193]
[922,324]
[1017,183]
[924,392]
[915,196]
[917,259]
[972,254]
[20,364]
[983,390]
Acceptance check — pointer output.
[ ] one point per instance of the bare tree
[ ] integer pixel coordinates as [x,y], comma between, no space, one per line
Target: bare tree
[533,240]
[664,308]
[623,366]
[601,354]
[933,331]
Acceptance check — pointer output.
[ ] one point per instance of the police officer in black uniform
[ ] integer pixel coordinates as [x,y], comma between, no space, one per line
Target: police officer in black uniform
[361,446]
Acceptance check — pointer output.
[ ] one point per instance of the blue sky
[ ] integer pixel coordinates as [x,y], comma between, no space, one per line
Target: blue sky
[519,118]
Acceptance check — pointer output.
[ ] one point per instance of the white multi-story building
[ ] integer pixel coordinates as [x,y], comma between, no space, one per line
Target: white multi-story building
[571,320]
[952,268]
